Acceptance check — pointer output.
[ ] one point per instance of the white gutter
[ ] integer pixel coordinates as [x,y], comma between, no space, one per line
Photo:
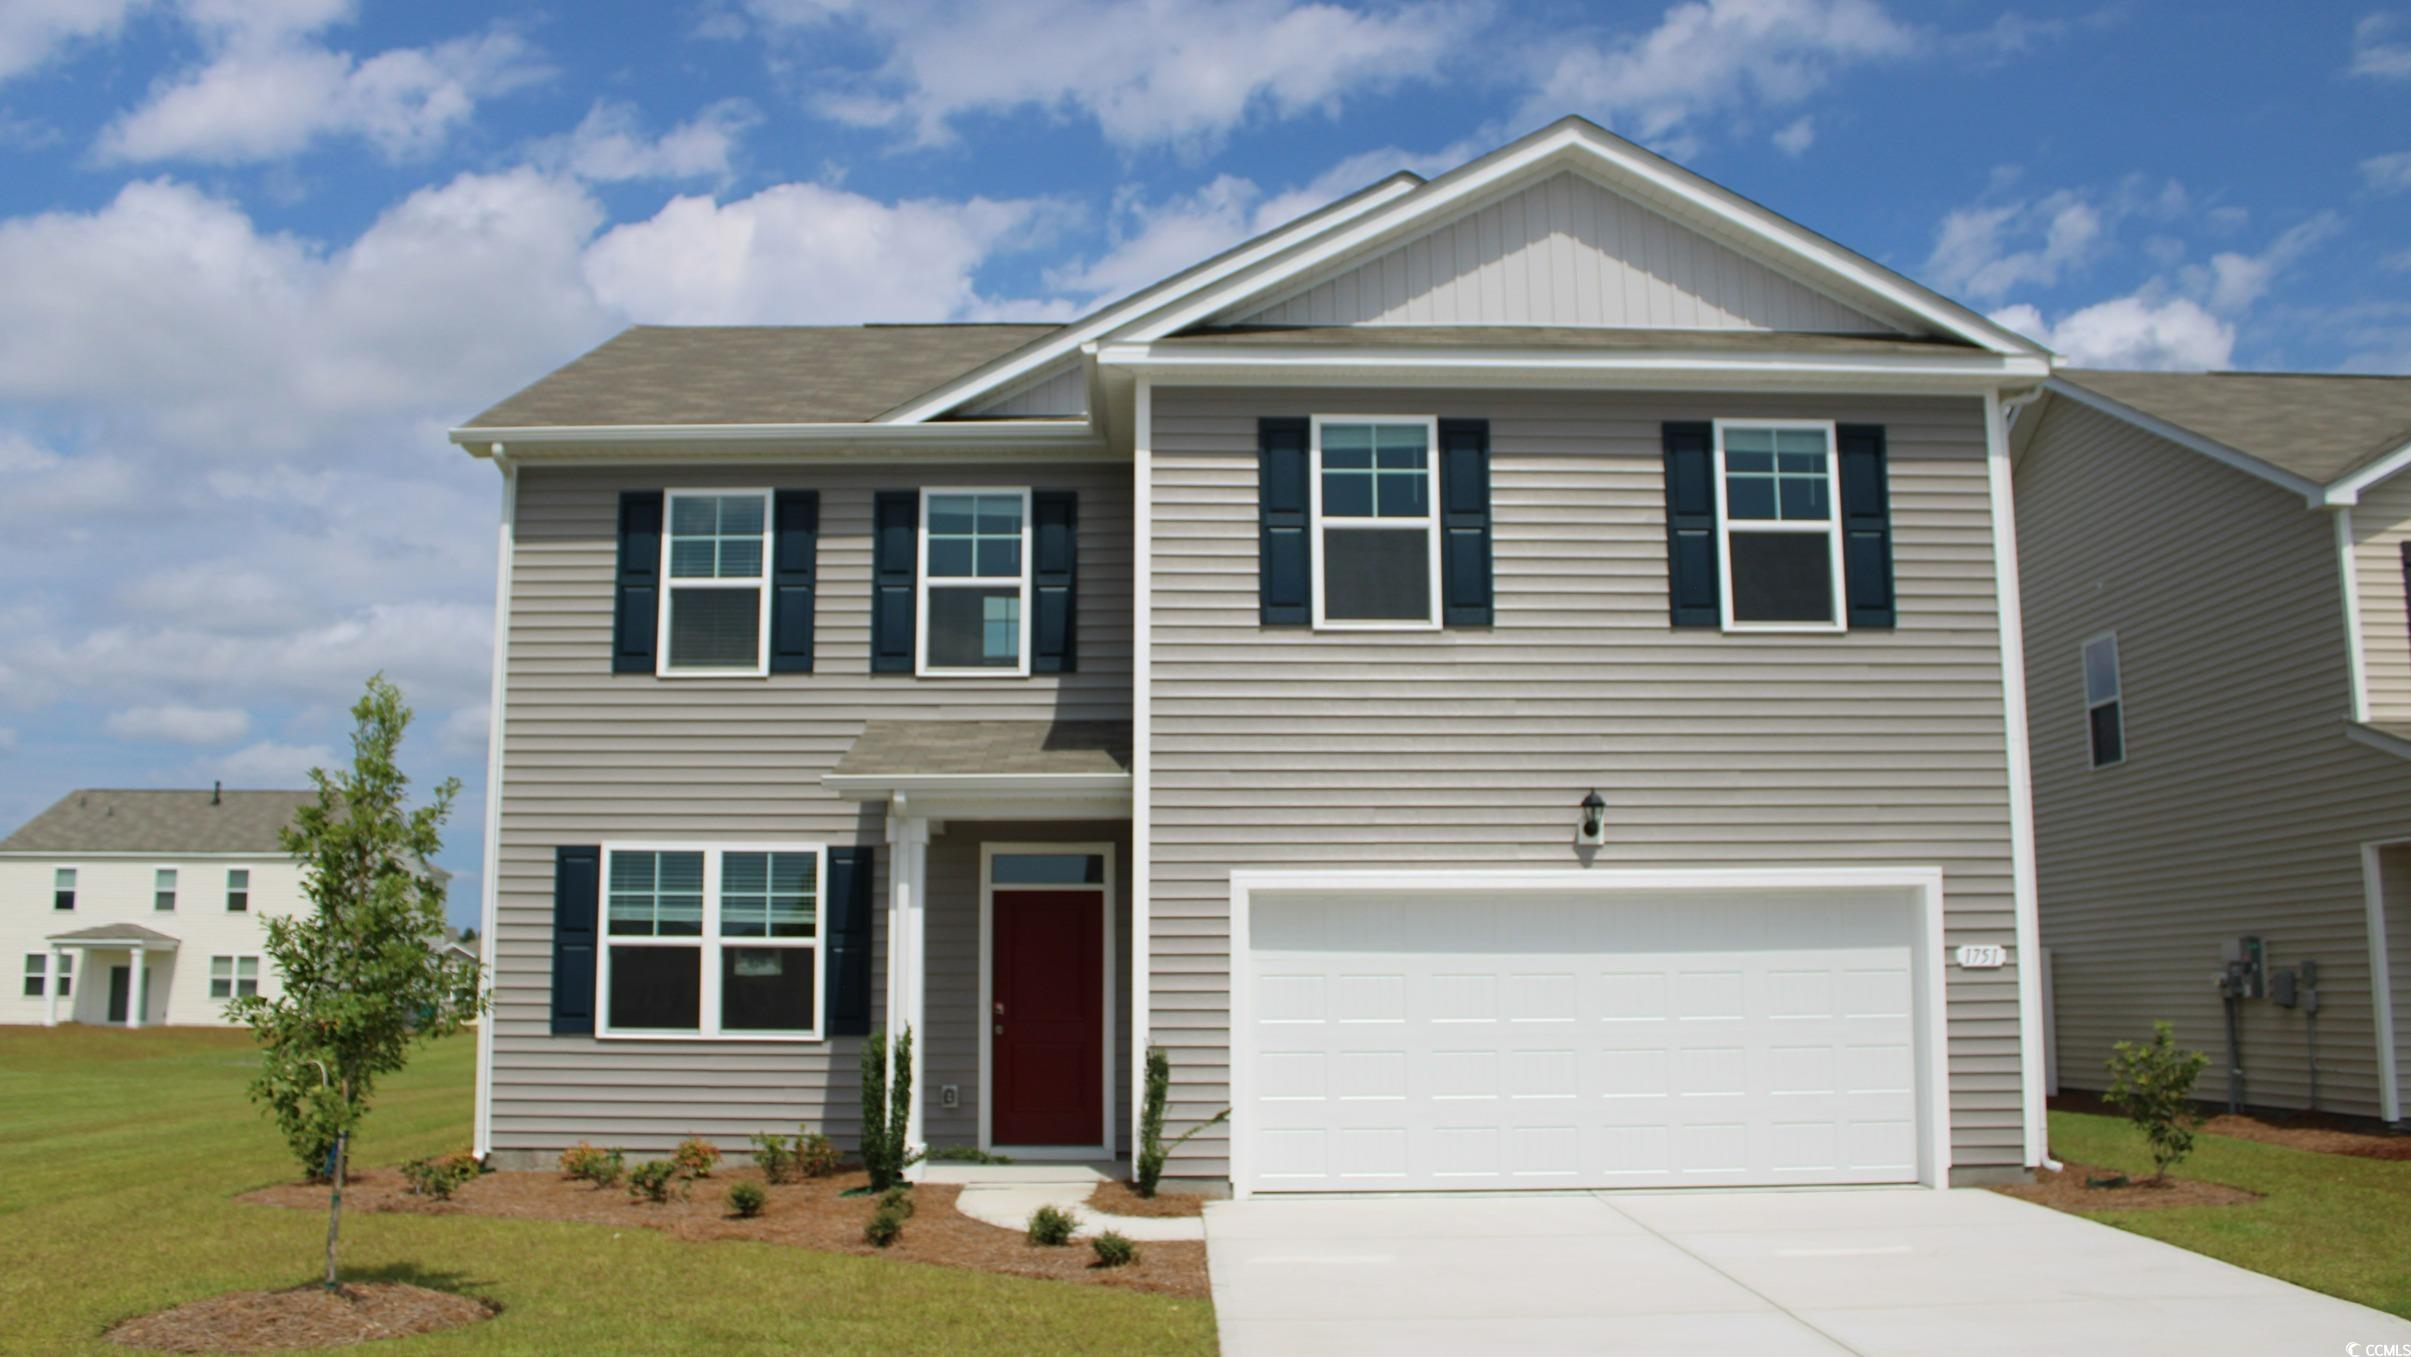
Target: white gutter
[2347,489]
[985,433]
[1657,368]
[490,905]
[2349,576]
[880,786]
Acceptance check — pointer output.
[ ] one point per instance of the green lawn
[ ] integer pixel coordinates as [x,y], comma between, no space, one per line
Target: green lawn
[2326,1221]
[120,1151]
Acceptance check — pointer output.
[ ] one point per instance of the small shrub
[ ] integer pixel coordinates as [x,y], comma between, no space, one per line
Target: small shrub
[886,1102]
[963,1154]
[651,1180]
[695,1156]
[1148,1168]
[2153,1085]
[438,1176]
[897,1199]
[1051,1227]
[584,1162]
[816,1156]
[1113,1250]
[775,1154]
[746,1199]
[885,1228]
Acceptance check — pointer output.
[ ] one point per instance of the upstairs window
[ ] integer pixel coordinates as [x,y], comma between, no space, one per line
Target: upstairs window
[62,889]
[232,977]
[715,610]
[1779,534]
[975,582]
[238,890]
[1376,531]
[712,942]
[2105,709]
[163,889]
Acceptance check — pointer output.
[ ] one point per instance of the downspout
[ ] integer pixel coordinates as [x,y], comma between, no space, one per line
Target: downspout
[490,904]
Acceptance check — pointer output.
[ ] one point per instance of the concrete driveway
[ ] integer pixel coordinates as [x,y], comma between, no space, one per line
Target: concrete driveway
[1889,1270]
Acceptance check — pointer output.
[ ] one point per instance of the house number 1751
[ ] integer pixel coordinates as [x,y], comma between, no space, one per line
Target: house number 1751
[1983,956]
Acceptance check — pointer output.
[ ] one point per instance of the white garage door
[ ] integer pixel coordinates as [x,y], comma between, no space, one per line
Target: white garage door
[1477,1039]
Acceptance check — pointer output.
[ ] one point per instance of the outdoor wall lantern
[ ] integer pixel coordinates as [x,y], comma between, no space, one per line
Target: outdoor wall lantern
[1593,826]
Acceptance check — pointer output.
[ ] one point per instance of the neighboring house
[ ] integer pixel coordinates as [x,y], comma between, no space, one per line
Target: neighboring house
[1508,680]
[137,908]
[2219,660]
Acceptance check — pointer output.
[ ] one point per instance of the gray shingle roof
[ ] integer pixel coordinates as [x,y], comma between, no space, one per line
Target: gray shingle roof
[2317,425]
[107,821]
[114,933]
[754,374]
[1555,337]
[954,748]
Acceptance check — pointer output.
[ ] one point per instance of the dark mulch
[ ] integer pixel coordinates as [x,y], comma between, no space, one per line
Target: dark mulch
[2069,1190]
[1116,1198]
[2318,1132]
[300,1317]
[811,1215]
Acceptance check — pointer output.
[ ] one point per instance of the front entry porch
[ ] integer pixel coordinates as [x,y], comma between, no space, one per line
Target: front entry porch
[116,973]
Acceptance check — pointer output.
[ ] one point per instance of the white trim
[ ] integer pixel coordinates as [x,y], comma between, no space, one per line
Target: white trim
[923,583]
[1832,528]
[988,852]
[2346,489]
[708,944]
[2084,655]
[1142,742]
[760,583]
[1429,522]
[61,940]
[1527,368]
[2355,645]
[1924,884]
[2026,899]
[2381,976]
[2310,490]
[1003,433]
[2362,732]
[489,908]
[234,975]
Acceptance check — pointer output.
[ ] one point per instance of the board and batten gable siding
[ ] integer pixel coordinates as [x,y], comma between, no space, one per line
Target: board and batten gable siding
[2381,527]
[1564,251]
[590,756]
[2242,804]
[1469,749]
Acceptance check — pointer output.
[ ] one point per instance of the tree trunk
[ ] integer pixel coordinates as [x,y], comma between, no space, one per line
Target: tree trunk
[334,1205]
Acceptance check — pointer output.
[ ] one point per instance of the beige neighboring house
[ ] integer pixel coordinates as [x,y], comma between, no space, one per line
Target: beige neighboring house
[142,908]
[2219,663]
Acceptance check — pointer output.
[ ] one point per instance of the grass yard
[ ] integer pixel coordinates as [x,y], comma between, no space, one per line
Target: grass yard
[120,1151]
[2330,1222]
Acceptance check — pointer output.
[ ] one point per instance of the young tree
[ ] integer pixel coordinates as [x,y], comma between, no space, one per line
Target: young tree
[2153,1085]
[365,974]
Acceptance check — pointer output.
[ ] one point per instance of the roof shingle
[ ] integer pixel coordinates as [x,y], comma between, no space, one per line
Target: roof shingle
[100,820]
[2319,426]
[1018,748]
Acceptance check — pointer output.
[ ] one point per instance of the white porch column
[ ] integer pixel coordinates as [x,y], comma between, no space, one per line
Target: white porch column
[50,1004]
[137,993]
[907,880]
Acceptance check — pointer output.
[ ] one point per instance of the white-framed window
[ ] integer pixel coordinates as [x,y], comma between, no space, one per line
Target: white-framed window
[238,890]
[715,573]
[719,941]
[1778,525]
[163,889]
[62,889]
[233,977]
[1375,492]
[66,975]
[973,616]
[37,974]
[2105,706]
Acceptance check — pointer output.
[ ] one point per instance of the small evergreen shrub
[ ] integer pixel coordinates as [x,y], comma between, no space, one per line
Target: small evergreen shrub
[1113,1250]
[775,1155]
[816,1156]
[2153,1085]
[746,1199]
[886,1105]
[585,1163]
[438,1176]
[695,1156]
[898,1199]
[651,1180]
[1051,1227]
[885,1228]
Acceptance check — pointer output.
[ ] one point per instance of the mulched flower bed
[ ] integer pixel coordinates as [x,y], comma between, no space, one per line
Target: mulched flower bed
[1115,1198]
[810,1214]
[2318,1132]
[2070,1190]
[300,1317]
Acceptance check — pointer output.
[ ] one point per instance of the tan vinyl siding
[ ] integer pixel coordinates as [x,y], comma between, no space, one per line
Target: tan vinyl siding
[590,756]
[2242,805]
[1470,748]
[2381,525]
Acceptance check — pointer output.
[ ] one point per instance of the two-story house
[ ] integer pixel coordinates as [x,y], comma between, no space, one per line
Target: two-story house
[2220,659]
[1509,680]
[139,908]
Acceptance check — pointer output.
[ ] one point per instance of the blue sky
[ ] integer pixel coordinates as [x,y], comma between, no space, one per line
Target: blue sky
[257,255]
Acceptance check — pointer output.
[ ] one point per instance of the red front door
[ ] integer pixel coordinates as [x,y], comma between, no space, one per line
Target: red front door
[1047,1020]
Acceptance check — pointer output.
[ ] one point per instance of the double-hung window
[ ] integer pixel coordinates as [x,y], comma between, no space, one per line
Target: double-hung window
[712,942]
[163,889]
[975,582]
[1778,529]
[62,889]
[2105,707]
[1376,525]
[715,603]
[37,973]
[238,890]
[233,977]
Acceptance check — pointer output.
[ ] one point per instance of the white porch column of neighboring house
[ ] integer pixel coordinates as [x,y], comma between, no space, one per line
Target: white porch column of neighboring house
[137,993]
[50,1002]
[907,881]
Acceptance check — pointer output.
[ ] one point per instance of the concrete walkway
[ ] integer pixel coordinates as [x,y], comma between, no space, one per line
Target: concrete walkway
[1004,1195]
[1869,1271]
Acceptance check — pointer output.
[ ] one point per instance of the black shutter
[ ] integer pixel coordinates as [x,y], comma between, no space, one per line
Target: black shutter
[577,897]
[1285,553]
[2406,577]
[1691,566]
[1054,581]
[795,539]
[895,571]
[1465,522]
[1866,525]
[849,940]
[636,615]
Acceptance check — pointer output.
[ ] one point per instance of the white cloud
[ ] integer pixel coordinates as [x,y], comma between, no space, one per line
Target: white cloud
[1166,72]
[48,491]
[2389,173]
[267,764]
[610,145]
[1795,137]
[180,724]
[2380,47]
[8,740]
[1972,256]
[2233,281]
[2139,331]
[32,32]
